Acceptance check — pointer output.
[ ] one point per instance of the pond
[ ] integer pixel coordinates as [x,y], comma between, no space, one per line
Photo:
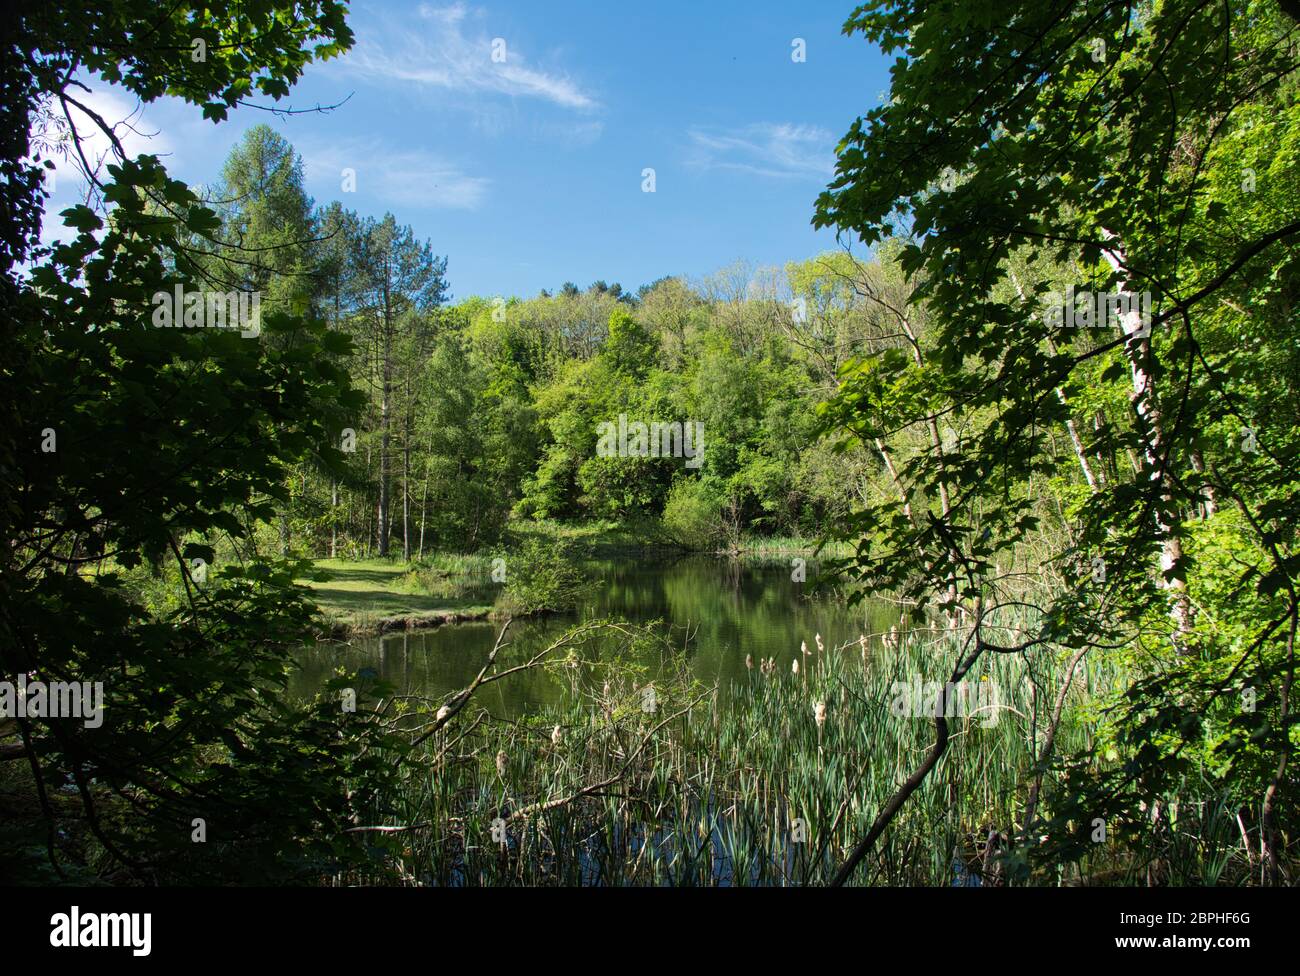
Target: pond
[729,608]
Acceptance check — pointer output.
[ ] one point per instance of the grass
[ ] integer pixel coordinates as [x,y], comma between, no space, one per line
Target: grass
[743,786]
[694,794]
[358,596]
[754,545]
[754,793]
[361,596]
[373,595]
[708,789]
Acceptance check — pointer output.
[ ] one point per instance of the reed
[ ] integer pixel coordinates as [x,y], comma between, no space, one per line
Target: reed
[767,782]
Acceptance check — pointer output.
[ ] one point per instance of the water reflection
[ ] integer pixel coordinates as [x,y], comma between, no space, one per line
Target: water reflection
[729,608]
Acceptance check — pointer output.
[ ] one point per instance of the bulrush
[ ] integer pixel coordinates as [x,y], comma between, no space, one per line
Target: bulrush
[501,763]
[820,646]
[557,736]
[749,662]
[803,646]
[794,666]
[819,714]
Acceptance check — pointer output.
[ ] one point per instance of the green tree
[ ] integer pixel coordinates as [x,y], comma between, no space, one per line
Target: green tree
[399,282]
[135,446]
[1048,136]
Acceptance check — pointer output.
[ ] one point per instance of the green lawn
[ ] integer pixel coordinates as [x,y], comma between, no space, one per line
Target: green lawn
[360,594]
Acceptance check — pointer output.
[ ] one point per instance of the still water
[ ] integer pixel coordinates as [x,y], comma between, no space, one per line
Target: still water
[729,609]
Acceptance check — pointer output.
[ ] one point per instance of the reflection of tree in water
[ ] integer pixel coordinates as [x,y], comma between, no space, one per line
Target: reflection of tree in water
[734,575]
[730,607]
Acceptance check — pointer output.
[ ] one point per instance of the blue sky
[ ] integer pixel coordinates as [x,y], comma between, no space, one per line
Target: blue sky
[528,173]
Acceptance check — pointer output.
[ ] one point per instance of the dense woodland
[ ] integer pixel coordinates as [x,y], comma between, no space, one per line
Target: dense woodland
[1102,511]
[488,408]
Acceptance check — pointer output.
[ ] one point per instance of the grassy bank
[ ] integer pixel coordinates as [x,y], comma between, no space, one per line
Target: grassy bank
[375,595]
[368,596]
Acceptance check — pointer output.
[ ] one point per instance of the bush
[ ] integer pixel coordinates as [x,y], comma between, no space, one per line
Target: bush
[693,515]
[543,575]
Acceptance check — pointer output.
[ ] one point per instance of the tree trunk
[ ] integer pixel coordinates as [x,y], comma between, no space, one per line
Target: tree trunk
[1077,441]
[408,426]
[334,519]
[893,474]
[1137,348]
[424,505]
[1209,504]
[367,506]
[387,367]
[406,500]
[1106,467]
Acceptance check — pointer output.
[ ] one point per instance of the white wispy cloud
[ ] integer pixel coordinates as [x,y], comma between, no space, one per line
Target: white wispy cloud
[772,149]
[445,51]
[577,133]
[414,178]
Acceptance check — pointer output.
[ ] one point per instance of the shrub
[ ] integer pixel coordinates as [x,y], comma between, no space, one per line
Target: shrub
[693,515]
[543,575]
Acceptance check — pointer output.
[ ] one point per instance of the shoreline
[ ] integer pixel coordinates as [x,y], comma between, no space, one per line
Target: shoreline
[354,625]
